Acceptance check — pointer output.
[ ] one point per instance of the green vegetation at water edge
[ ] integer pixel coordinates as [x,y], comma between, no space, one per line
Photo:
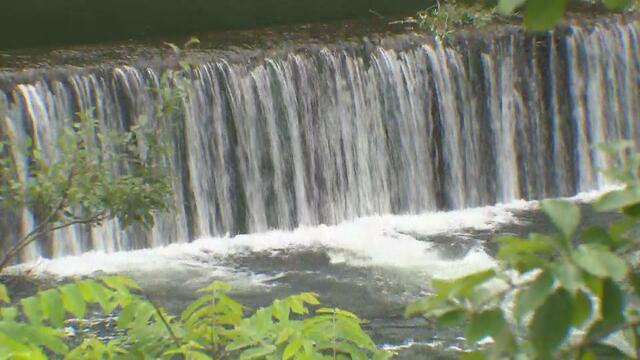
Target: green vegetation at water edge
[446,16]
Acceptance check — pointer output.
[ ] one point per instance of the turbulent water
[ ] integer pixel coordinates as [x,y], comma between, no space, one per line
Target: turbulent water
[330,133]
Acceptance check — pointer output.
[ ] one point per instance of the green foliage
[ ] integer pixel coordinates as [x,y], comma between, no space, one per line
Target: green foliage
[558,296]
[444,18]
[212,327]
[90,174]
[81,184]
[207,321]
[83,177]
[33,327]
[285,331]
[542,15]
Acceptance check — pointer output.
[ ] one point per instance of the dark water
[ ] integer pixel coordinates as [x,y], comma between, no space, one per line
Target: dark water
[375,290]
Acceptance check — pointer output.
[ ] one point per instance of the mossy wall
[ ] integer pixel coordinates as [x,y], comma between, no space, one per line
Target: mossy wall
[29,23]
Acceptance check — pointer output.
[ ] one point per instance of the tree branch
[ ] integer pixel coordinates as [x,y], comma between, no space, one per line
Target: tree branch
[174,337]
[41,230]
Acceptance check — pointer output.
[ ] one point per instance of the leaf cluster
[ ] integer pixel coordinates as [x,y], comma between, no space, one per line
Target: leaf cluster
[87,176]
[32,328]
[555,296]
[445,17]
[285,331]
[214,326]
[540,15]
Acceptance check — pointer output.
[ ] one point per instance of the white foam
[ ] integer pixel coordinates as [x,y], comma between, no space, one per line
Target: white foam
[385,241]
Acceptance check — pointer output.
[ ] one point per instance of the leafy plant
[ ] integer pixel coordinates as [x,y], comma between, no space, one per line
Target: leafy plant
[544,14]
[445,17]
[32,327]
[569,295]
[77,180]
[207,322]
[82,185]
[212,327]
[283,331]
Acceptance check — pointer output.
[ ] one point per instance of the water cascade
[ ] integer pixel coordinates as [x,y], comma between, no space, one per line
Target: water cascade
[324,134]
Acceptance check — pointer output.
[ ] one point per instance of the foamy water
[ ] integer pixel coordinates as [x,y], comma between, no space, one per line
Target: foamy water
[382,241]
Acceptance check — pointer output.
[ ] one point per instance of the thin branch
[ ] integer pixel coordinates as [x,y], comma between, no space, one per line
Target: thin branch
[41,230]
[174,337]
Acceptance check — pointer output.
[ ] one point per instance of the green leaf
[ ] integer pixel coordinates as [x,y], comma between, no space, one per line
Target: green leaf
[284,335]
[551,323]
[120,283]
[4,294]
[216,286]
[240,343]
[72,300]
[51,302]
[632,211]
[473,355]
[340,312]
[280,310]
[594,284]
[616,5]
[582,308]
[606,351]
[31,308]
[127,315]
[618,199]
[92,291]
[462,286]
[619,228]
[452,318]
[258,352]
[569,276]
[297,305]
[10,313]
[425,305]
[508,7]
[487,323]
[564,215]
[635,282]
[613,304]
[144,311]
[544,14]
[533,295]
[599,261]
[195,305]
[596,235]
[511,247]
[310,298]
[52,339]
[292,349]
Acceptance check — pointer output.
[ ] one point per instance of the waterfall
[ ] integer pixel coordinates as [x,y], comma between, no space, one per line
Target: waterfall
[330,133]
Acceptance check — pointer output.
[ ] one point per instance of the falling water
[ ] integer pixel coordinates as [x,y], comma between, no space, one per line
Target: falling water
[331,133]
